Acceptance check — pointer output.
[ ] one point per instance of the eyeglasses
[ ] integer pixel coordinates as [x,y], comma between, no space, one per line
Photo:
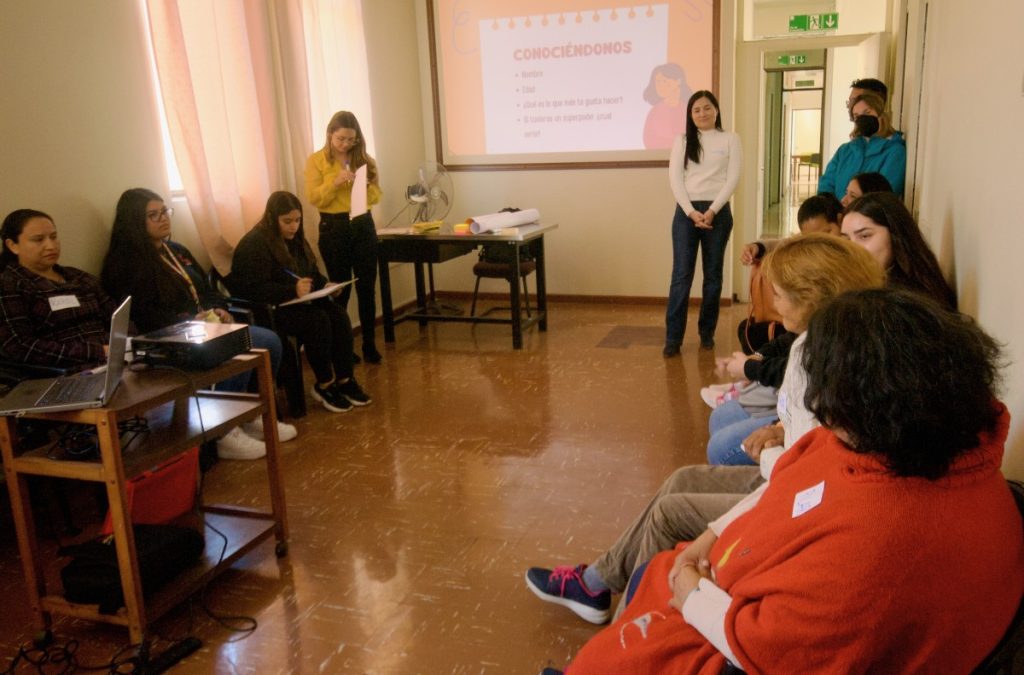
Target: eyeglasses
[348,141]
[155,216]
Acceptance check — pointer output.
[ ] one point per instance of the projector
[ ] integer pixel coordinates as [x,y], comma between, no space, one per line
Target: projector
[192,345]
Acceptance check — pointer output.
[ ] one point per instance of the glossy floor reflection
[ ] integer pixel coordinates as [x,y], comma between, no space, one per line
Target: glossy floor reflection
[414,520]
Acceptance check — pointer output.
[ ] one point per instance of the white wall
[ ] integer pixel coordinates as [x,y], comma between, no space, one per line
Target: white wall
[970,167]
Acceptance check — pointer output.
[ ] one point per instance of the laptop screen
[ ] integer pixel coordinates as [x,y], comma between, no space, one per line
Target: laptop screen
[119,322]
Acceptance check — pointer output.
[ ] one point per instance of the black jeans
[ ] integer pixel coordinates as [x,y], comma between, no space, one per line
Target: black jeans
[324,328]
[686,239]
[349,247]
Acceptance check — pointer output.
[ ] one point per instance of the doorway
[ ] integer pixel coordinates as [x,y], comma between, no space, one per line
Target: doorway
[794,102]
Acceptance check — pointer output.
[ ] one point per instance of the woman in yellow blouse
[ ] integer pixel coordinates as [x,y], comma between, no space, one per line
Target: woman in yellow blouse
[347,245]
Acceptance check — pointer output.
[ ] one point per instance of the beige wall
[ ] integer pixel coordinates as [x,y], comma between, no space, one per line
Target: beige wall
[970,170]
[78,117]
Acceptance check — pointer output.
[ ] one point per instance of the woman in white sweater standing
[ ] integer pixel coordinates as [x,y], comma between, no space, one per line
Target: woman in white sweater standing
[704,169]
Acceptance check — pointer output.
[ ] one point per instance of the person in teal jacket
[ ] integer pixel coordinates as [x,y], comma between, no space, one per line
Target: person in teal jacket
[873,146]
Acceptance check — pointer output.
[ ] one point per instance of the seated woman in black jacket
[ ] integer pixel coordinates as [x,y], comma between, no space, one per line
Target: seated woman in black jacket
[273,263]
[50,315]
[168,286]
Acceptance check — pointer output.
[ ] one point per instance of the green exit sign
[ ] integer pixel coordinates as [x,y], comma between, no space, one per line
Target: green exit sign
[792,59]
[802,23]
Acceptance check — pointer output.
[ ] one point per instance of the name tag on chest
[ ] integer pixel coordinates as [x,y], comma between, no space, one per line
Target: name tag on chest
[59,302]
[808,499]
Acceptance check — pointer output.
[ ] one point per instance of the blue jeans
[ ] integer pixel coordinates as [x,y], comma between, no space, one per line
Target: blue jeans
[261,338]
[730,424]
[686,238]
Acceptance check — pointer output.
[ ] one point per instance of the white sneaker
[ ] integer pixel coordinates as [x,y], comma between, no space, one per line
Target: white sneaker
[236,445]
[285,432]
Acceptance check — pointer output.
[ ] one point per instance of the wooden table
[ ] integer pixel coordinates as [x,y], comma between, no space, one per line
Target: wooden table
[402,245]
[180,414]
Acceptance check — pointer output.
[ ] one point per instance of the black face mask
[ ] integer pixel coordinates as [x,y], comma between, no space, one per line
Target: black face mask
[867,125]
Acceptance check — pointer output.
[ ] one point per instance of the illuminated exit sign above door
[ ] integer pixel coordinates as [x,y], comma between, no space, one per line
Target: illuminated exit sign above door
[803,23]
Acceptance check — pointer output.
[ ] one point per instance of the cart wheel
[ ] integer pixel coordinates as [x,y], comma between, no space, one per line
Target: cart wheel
[281,549]
[42,639]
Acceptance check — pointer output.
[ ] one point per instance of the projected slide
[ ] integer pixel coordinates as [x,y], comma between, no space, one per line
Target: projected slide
[538,92]
[552,78]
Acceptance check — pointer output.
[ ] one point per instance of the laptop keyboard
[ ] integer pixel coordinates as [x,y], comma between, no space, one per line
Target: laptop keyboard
[69,389]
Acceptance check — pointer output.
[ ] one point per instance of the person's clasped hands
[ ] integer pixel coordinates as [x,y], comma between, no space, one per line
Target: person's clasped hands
[703,220]
[766,437]
[691,565]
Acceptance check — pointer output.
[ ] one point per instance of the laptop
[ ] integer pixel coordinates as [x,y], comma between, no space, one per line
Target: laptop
[91,389]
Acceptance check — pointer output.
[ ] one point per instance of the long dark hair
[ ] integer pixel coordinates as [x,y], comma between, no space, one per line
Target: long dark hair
[343,119]
[12,228]
[914,265]
[693,149]
[915,383]
[278,204]
[132,265]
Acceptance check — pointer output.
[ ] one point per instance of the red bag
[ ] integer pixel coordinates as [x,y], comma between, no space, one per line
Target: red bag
[163,494]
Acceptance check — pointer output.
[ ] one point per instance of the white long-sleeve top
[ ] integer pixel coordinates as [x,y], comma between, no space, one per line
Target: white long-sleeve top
[714,178]
[706,610]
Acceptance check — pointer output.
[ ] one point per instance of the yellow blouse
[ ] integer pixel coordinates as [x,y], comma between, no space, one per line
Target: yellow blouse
[324,194]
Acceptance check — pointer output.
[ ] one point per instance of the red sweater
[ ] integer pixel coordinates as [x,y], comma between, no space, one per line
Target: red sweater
[884,574]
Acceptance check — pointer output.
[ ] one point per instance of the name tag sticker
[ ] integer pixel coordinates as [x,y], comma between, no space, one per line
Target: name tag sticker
[59,302]
[782,404]
[806,500]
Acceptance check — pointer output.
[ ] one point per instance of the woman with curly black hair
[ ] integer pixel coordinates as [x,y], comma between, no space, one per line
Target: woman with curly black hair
[887,540]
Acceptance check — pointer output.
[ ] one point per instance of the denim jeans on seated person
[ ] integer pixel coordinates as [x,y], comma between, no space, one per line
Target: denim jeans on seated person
[686,238]
[730,424]
[261,338]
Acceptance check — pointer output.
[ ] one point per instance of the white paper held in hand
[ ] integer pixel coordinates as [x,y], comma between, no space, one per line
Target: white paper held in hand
[329,289]
[359,200]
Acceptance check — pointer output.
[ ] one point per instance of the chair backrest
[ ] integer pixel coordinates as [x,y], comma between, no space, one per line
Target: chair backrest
[1001,659]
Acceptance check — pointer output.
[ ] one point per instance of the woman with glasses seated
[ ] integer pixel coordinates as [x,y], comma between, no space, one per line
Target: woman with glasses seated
[168,286]
[52,315]
[274,264]
[347,245]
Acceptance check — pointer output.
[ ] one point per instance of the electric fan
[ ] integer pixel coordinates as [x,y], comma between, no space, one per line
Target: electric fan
[432,194]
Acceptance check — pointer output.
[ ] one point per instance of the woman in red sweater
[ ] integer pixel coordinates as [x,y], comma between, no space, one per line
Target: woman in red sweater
[887,541]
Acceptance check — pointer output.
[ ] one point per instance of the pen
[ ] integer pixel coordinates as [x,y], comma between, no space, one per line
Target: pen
[291,274]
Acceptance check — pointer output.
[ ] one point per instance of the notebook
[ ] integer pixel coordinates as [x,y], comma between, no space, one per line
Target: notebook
[91,389]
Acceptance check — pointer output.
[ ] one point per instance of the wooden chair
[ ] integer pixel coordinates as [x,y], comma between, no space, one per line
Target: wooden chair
[495,265]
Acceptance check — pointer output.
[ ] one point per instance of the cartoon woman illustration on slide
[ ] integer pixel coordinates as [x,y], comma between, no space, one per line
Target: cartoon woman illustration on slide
[667,92]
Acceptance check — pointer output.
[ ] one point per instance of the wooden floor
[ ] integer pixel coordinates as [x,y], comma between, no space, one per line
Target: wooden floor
[414,520]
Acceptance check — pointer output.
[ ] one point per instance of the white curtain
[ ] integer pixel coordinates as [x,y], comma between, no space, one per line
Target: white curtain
[339,78]
[234,81]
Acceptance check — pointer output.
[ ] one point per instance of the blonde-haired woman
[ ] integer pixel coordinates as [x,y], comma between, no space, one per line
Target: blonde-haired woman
[806,273]
[347,245]
[874,146]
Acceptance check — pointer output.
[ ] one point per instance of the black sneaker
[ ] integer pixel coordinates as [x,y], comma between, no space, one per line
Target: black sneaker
[331,398]
[707,342]
[671,349]
[371,355]
[352,392]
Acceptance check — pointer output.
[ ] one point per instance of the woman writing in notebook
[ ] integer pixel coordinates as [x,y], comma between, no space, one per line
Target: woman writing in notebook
[52,315]
[273,263]
[168,286]
[348,245]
